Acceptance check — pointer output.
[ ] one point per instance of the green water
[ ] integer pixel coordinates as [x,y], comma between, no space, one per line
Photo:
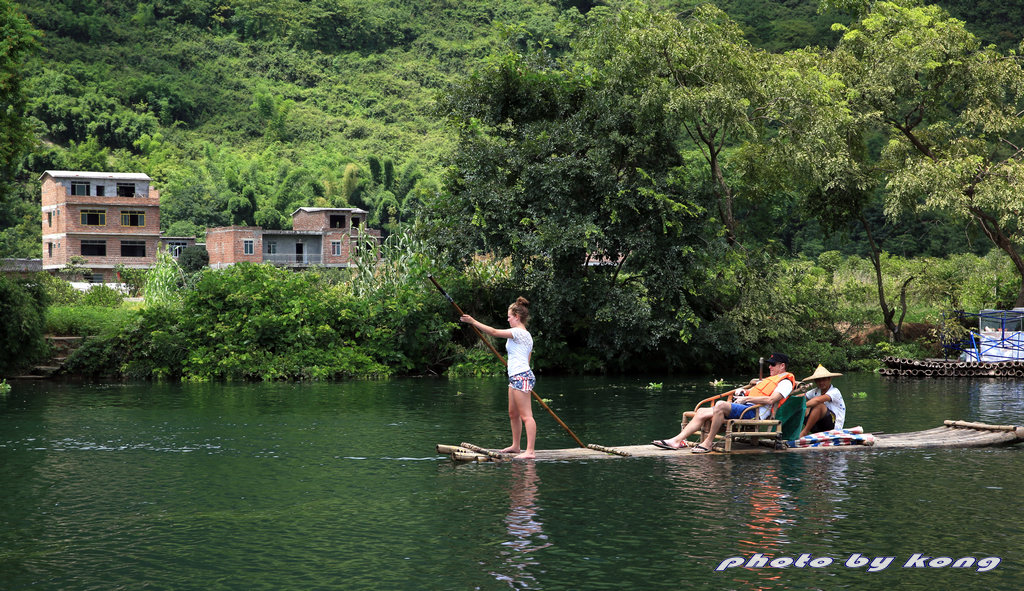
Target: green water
[337,486]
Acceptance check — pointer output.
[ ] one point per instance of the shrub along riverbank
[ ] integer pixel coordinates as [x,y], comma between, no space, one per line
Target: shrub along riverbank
[259,322]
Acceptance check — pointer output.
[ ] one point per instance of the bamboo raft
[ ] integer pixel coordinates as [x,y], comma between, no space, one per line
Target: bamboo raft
[952,434]
[940,368]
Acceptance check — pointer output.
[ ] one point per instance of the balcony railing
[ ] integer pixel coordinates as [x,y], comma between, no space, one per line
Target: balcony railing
[292,260]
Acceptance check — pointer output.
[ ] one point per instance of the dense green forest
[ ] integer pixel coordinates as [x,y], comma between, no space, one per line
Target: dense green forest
[674,183]
[243,110]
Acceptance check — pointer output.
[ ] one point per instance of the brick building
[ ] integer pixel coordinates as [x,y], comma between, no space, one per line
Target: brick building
[319,236]
[106,217]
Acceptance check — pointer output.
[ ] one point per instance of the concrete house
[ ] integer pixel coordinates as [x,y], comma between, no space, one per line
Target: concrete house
[323,236]
[106,217]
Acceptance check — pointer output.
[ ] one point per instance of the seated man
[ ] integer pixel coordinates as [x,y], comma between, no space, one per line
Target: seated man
[825,407]
[762,397]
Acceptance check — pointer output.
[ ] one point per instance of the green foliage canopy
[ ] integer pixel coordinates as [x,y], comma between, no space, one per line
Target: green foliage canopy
[949,112]
[571,176]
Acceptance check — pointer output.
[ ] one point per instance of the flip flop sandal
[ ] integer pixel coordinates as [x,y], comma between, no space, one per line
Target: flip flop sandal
[699,449]
[664,444]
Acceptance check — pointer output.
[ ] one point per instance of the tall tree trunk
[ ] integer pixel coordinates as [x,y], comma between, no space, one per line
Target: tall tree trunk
[724,198]
[895,328]
[995,233]
[714,141]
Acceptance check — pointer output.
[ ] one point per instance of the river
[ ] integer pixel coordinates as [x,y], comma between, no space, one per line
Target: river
[337,486]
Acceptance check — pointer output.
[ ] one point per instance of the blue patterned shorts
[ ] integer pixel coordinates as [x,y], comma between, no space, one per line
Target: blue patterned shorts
[523,381]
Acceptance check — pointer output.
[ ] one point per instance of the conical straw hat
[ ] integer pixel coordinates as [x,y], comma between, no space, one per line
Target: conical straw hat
[821,372]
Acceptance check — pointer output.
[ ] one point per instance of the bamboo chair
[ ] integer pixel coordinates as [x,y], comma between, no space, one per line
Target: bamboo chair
[784,422]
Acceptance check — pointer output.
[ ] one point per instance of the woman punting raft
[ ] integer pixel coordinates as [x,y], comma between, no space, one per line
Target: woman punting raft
[519,346]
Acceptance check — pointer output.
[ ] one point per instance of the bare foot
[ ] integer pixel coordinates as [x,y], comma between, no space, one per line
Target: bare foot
[511,450]
[527,455]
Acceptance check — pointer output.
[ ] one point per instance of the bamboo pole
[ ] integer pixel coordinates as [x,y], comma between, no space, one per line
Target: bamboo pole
[468,456]
[502,358]
[497,455]
[979,426]
[609,450]
[447,450]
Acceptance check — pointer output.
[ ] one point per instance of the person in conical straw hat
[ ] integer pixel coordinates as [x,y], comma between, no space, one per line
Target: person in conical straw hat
[825,407]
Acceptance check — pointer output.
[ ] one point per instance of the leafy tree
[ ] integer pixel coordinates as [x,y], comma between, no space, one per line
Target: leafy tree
[949,112]
[271,219]
[193,258]
[75,269]
[570,176]
[350,185]
[133,279]
[19,40]
[243,207]
[704,72]
[272,112]
[19,217]
[184,228]
[22,320]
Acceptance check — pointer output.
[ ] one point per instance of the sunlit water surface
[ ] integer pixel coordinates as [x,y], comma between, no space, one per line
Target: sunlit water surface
[337,486]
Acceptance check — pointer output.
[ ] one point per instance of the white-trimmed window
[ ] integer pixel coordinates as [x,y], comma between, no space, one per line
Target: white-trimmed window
[79,188]
[175,247]
[248,246]
[336,248]
[271,247]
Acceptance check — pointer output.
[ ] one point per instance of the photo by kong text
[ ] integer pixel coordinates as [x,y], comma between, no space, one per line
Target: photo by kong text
[858,561]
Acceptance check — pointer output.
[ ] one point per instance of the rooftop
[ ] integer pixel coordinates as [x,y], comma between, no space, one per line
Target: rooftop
[109,176]
[338,209]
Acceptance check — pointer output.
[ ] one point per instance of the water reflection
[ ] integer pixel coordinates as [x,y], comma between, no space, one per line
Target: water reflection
[749,506]
[525,530]
[1000,402]
[828,486]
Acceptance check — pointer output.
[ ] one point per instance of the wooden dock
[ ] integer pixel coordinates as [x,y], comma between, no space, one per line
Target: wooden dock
[951,434]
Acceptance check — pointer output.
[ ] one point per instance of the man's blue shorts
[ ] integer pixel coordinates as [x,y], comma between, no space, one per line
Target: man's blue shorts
[737,409]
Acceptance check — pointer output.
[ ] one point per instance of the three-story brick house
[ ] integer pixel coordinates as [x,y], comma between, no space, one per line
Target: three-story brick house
[109,218]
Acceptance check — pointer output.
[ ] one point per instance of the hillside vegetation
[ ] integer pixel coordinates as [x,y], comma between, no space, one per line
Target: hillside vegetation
[243,110]
[672,184]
